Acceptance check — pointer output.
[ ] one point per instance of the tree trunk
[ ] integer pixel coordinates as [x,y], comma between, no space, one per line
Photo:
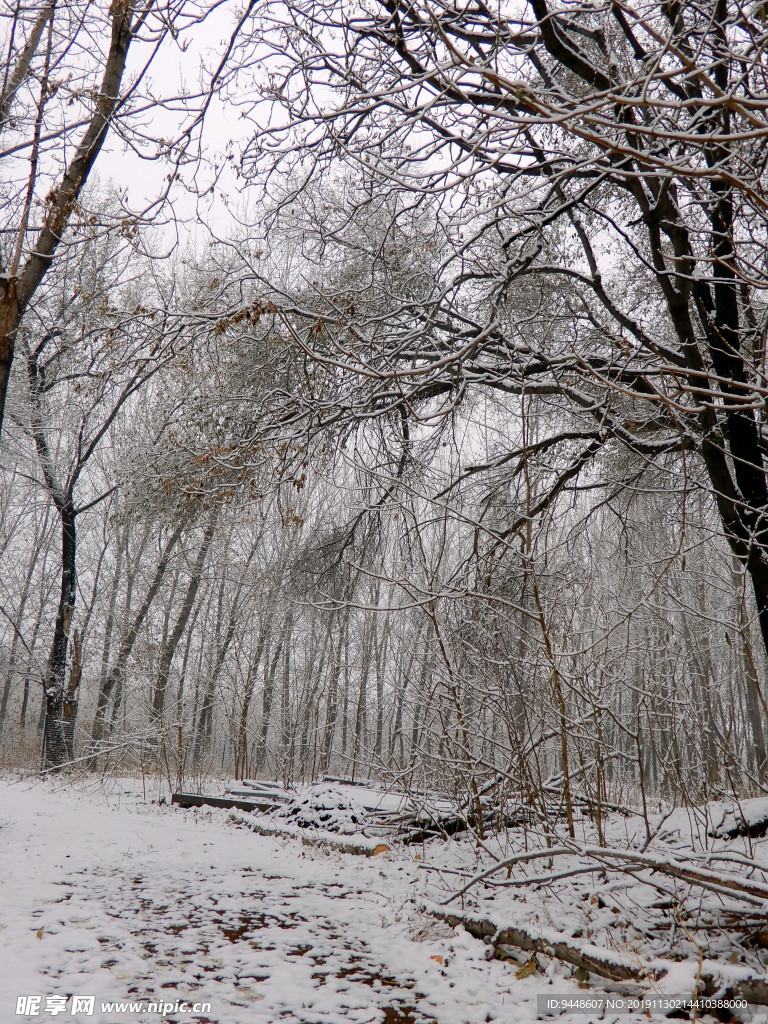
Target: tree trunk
[21,68]
[71,694]
[11,671]
[331,711]
[169,648]
[30,669]
[204,724]
[110,623]
[114,677]
[241,745]
[267,696]
[310,709]
[57,699]
[752,689]
[17,291]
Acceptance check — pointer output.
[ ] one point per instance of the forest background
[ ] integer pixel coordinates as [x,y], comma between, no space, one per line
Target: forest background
[384,393]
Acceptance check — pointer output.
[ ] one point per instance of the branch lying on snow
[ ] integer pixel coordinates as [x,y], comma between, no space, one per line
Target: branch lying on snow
[723,884]
[519,858]
[551,787]
[711,978]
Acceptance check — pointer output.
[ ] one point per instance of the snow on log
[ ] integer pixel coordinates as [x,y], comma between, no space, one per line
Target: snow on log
[706,978]
[359,844]
[606,963]
[201,800]
[747,818]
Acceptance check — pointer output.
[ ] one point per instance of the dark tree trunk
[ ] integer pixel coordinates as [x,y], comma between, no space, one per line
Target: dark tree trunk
[71,695]
[17,291]
[58,701]
[9,323]
[204,725]
[267,696]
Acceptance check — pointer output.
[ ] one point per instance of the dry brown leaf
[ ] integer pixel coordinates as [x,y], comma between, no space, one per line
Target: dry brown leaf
[527,969]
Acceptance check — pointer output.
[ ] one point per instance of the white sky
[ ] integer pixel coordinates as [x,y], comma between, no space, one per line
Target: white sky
[180,66]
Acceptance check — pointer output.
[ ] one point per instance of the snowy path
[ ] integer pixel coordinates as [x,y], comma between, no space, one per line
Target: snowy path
[103,893]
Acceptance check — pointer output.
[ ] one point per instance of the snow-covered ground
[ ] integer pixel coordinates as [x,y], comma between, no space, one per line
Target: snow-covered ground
[106,892]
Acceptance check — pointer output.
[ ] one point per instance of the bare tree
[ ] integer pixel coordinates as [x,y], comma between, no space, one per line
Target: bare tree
[56,112]
[593,179]
[79,363]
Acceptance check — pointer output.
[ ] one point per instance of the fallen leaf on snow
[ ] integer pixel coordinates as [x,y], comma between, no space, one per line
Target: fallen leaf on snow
[527,969]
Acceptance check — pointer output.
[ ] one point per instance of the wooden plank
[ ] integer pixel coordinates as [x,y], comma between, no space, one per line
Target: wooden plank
[196,800]
[256,794]
[266,784]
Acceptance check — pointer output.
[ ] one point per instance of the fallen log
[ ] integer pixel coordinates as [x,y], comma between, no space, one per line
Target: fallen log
[198,800]
[751,819]
[710,978]
[360,845]
[615,967]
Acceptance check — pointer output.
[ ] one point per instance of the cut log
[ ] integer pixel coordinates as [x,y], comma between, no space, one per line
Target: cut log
[196,800]
[586,956]
[277,787]
[260,795]
[750,818]
[361,846]
[721,981]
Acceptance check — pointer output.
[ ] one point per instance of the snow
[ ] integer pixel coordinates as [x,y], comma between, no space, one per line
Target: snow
[327,807]
[108,892]
[134,899]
